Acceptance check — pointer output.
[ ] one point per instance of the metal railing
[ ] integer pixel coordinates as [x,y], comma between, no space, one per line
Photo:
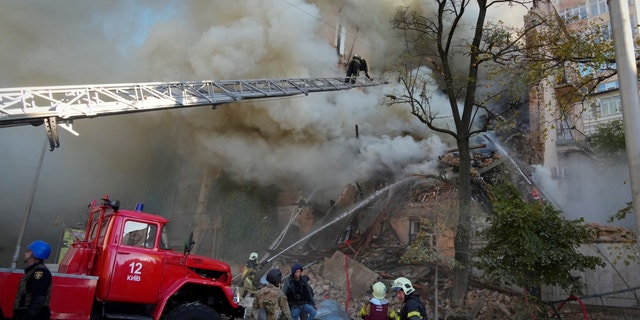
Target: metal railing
[615,305]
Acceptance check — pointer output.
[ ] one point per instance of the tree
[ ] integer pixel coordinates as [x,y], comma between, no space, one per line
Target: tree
[530,244]
[608,142]
[484,69]
[456,59]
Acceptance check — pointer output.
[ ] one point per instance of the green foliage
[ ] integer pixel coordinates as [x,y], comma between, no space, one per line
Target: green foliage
[530,244]
[482,69]
[622,213]
[626,252]
[423,249]
[608,142]
[441,220]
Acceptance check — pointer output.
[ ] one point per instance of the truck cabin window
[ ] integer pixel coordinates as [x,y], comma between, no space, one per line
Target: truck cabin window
[164,239]
[139,234]
[97,226]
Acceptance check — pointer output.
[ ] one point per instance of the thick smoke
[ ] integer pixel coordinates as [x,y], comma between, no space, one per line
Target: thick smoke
[587,191]
[310,140]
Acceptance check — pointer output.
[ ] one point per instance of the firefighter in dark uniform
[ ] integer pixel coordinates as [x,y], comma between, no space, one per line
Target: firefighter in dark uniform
[412,306]
[354,67]
[34,292]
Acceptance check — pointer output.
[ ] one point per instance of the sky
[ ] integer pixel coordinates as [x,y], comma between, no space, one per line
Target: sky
[309,139]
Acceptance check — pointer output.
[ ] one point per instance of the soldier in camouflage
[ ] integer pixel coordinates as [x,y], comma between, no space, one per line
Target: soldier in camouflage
[271,300]
[32,299]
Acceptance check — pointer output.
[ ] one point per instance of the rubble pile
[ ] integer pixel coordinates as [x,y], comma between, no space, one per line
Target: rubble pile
[482,302]
[382,257]
[345,272]
[611,234]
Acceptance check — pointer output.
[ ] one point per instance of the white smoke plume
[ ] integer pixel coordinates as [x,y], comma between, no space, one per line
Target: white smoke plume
[309,139]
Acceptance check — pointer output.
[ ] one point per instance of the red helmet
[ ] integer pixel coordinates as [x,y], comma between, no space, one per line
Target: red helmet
[535,193]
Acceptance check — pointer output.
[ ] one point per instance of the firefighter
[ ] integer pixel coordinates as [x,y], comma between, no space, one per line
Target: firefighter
[535,196]
[354,67]
[378,306]
[34,292]
[412,306]
[249,274]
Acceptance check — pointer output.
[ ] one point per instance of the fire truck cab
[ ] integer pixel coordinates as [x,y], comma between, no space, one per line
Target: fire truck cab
[124,268]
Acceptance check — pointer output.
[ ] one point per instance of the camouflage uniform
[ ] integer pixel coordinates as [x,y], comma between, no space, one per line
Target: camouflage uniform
[32,299]
[274,301]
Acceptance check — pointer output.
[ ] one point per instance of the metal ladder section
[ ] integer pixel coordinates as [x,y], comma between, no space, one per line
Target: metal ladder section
[62,104]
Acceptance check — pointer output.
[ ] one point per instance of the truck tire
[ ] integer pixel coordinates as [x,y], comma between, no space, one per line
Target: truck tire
[193,311]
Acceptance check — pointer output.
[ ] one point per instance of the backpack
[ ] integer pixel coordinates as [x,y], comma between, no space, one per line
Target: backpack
[267,305]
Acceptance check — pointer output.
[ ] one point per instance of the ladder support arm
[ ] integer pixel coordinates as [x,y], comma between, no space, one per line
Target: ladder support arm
[62,104]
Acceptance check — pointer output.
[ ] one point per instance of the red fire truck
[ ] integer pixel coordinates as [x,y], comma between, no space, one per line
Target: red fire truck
[125,269]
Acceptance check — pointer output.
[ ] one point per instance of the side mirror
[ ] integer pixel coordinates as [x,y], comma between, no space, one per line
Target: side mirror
[188,244]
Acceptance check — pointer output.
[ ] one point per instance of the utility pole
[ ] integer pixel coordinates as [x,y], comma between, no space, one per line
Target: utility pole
[628,79]
[27,212]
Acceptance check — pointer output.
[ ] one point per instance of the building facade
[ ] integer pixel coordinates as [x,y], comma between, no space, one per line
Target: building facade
[558,134]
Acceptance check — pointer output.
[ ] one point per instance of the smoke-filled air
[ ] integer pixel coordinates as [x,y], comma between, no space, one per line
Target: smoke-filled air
[308,141]
[316,143]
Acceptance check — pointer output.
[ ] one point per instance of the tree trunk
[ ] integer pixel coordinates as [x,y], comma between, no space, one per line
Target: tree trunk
[462,241]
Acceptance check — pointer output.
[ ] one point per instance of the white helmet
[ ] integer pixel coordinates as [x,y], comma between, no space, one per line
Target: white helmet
[403,284]
[253,256]
[379,290]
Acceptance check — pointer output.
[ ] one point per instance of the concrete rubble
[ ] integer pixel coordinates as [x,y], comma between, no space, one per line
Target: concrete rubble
[333,275]
[345,276]
[344,271]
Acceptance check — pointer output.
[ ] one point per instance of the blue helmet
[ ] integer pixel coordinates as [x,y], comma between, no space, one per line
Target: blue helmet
[40,249]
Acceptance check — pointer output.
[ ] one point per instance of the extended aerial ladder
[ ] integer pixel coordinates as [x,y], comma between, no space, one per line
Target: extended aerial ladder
[60,105]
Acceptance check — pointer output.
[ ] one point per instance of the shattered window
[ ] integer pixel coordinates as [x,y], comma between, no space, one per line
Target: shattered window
[418,231]
[414,228]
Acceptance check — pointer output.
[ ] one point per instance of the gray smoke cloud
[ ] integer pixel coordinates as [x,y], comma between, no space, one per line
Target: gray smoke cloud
[589,192]
[310,140]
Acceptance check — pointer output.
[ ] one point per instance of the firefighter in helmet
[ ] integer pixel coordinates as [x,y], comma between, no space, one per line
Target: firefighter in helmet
[248,275]
[378,306]
[34,292]
[412,307]
[354,67]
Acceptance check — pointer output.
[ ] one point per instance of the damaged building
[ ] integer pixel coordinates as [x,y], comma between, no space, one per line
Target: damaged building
[360,238]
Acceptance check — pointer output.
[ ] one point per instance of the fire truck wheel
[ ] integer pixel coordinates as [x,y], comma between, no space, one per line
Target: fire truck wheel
[193,311]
